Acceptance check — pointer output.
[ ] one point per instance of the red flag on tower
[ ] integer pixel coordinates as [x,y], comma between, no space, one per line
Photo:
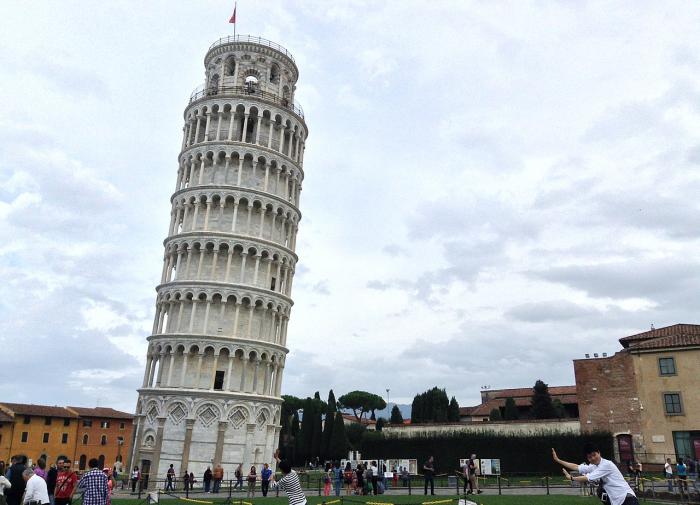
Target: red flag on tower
[233,18]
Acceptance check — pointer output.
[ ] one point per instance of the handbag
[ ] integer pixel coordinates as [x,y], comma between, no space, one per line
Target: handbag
[601,494]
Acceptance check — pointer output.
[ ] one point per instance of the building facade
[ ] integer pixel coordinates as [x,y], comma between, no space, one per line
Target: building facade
[50,432]
[646,394]
[522,397]
[211,388]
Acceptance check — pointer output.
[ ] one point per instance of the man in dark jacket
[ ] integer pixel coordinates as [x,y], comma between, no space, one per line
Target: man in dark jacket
[51,479]
[14,494]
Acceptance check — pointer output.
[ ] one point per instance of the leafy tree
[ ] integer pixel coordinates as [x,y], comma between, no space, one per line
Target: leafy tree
[380,423]
[328,424]
[355,432]
[361,402]
[373,417]
[396,417]
[559,410]
[510,411]
[430,406]
[338,448]
[453,411]
[495,414]
[317,436]
[541,402]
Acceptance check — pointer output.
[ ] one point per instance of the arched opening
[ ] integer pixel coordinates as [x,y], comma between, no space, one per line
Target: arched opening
[625,448]
[82,462]
[274,73]
[85,439]
[101,461]
[251,84]
[103,440]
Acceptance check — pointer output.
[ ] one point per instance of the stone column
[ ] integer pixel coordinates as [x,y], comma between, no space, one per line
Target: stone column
[189,425]
[206,128]
[155,462]
[220,442]
[244,133]
[257,130]
[183,372]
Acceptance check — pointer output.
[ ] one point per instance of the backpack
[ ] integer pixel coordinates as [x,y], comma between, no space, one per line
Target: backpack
[601,494]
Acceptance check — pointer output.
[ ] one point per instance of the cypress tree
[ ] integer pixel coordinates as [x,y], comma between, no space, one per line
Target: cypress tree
[453,411]
[328,424]
[317,436]
[396,417]
[495,415]
[541,402]
[511,411]
[338,448]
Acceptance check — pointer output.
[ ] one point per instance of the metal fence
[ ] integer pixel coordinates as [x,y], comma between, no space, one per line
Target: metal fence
[246,91]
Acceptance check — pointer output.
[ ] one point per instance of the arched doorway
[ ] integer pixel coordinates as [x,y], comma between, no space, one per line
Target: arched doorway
[101,461]
[625,449]
[82,462]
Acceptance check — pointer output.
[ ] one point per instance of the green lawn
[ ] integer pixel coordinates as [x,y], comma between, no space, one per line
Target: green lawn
[398,500]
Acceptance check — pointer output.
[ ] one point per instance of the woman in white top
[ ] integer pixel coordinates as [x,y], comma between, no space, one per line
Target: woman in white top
[4,484]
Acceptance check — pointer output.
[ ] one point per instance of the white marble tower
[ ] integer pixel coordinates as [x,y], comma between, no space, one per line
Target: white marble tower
[211,389]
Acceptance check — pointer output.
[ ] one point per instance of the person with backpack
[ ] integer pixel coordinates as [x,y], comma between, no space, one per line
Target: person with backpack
[599,469]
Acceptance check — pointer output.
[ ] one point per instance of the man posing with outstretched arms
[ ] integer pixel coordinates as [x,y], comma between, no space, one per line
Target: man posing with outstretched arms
[289,483]
[618,490]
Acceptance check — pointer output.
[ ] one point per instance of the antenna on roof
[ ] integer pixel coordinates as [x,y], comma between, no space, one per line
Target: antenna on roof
[652,326]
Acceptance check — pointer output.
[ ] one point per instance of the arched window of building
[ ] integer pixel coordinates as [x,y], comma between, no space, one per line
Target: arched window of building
[101,461]
[82,463]
[274,73]
[85,439]
[103,440]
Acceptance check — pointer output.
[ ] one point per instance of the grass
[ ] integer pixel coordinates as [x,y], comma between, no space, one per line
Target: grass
[399,500]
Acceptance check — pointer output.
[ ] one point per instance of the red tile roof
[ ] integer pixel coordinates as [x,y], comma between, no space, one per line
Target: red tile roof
[5,417]
[681,340]
[352,418]
[666,331]
[25,409]
[527,392]
[103,412]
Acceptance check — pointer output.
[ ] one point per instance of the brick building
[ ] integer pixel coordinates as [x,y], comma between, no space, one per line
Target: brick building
[73,432]
[496,399]
[646,394]
[103,433]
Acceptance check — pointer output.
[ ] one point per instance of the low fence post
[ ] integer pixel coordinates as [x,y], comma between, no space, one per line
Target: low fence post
[230,490]
[457,483]
[498,478]
[409,485]
[546,481]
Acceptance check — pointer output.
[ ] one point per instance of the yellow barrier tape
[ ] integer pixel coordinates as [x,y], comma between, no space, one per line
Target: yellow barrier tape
[328,502]
[437,501]
[377,503]
[196,501]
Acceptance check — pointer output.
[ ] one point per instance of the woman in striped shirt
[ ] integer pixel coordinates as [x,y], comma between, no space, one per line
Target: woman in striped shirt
[289,483]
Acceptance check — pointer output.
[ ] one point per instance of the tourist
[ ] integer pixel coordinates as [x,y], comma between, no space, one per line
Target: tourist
[405,476]
[207,479]
[192,481]
[338,477]
[252,478]
[668,472]
[94,485]
[465,474]
[218,477]
[682,471]
[4,484]
[110,484]
[186,481]
[289,483]
[360,472]
[135,478]
[429,475]
[616,487]
[40,468]
[51,477]
[395,476]
[265,475]
[374,473]
[239,477]
[473,478]
[169,477]
[693,471]
[14,475]
[348,476]
[327,480]
[35,491]
[66,482]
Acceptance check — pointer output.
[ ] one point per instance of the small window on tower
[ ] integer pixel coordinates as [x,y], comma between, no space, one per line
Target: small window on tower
[272,284]
[219,380]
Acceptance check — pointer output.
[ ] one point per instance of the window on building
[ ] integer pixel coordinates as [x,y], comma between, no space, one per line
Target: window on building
[672,403]
[86,439]
[27,419]
[66,422]
[103,440]
[272,284]
[667,366]
[47,421]
[45,439]
[25,436]
[120,440]
[82,462]
[219,380]
[64,438]
[122,426]
[104,424]
[87,423]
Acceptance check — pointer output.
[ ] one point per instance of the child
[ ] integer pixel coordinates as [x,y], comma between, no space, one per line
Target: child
[289,483]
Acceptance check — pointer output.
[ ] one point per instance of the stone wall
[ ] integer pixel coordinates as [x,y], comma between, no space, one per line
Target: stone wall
[520,427]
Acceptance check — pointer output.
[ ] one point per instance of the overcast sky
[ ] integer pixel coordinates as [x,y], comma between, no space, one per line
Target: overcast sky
[492,189]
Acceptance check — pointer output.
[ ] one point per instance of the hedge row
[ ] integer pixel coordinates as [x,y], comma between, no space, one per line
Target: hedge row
[518,454]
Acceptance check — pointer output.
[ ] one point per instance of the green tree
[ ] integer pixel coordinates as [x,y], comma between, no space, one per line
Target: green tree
[541,403]
[355,432]
[328,423]
[430,406]
[396,417]
[453,411]
[495,414]
[317,436]
[361,402]
[380,423]
[338,448]
[510,411]
[559,410]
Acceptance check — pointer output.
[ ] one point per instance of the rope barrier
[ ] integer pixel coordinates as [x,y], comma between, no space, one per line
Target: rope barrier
[437,501]
[189,499]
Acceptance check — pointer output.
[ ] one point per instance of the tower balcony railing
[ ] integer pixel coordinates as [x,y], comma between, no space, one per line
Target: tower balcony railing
[255,40]
[246,91]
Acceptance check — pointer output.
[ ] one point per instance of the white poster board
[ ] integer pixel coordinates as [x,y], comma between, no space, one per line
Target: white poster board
[490,466]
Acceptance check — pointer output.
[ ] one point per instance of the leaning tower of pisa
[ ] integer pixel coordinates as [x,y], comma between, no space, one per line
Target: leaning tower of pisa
[211,389]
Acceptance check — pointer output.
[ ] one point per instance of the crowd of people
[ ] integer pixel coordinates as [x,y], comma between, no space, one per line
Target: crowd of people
[24,484]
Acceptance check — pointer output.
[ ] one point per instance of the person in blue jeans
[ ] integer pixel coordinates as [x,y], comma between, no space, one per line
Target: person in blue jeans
[265,475]
[337,477]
